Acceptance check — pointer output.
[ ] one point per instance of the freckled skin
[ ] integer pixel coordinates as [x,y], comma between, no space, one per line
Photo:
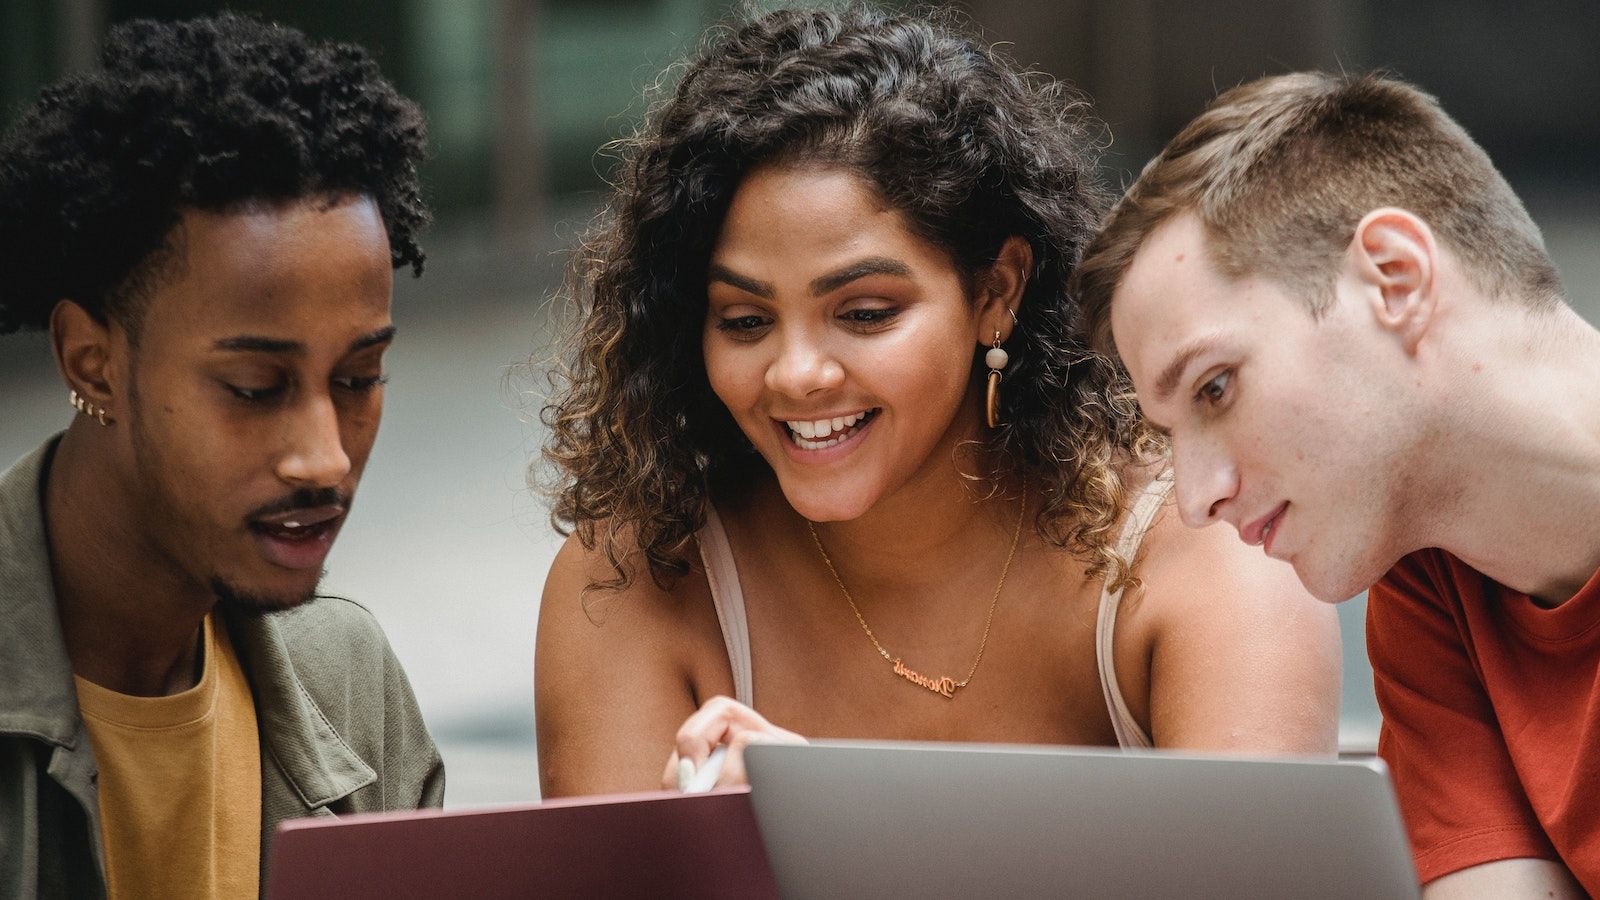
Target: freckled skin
[1302,418]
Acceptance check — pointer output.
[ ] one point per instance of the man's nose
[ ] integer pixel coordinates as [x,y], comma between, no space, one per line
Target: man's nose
[315,455]
[1206,480]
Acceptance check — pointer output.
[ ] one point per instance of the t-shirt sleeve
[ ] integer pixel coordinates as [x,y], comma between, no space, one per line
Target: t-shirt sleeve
[1459,793]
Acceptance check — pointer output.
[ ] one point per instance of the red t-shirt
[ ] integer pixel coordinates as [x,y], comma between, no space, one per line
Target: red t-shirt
[1491,716]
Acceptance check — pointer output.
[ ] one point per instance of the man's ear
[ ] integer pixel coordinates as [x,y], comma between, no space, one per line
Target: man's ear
[1000,290]
[84,352]
[1394,258]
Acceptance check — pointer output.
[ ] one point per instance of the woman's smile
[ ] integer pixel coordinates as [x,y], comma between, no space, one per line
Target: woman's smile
[811,435]
[851,315]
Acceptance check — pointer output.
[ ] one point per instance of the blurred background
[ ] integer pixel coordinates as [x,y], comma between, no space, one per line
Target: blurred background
[447,545]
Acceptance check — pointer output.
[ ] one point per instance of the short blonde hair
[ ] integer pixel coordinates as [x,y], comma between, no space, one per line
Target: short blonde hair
[1281,170]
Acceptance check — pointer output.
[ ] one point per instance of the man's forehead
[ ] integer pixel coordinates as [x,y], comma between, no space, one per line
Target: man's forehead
[303,272]
[1154,304]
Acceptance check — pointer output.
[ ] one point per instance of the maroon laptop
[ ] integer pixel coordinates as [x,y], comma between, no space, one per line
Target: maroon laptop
[633,845]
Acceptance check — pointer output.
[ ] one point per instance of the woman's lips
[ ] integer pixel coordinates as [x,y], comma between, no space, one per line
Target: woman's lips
[830,445]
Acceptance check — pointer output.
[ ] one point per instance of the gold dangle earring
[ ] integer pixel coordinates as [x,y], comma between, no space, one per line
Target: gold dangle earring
[82,405]
[996,359]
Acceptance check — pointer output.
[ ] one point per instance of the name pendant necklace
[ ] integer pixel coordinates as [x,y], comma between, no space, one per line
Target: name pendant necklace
[944,685]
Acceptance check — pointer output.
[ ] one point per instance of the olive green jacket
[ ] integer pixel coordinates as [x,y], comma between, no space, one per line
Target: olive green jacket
[339,725]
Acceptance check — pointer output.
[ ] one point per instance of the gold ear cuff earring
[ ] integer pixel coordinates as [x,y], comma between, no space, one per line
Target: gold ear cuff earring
[82,405]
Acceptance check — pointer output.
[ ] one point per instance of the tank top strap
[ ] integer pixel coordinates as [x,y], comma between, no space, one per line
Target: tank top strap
[722,575]
[1141,513]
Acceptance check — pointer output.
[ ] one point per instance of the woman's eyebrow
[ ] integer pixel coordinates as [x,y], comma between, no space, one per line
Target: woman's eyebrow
[861,268]
[730,277]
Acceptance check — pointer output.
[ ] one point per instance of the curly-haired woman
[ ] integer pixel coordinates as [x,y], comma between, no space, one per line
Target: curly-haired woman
[830,444]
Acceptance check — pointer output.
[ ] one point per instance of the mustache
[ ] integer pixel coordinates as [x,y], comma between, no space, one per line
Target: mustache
[305,498]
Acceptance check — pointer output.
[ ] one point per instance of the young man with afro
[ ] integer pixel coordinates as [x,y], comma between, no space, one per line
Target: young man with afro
[207,228]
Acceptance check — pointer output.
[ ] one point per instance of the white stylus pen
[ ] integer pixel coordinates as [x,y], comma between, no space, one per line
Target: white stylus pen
[698,781]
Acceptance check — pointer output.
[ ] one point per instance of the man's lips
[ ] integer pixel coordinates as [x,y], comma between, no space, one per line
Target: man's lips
[1256,533]
[298,538]
[300,518]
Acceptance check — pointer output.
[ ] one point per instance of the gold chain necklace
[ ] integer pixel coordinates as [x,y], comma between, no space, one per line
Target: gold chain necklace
[944,685]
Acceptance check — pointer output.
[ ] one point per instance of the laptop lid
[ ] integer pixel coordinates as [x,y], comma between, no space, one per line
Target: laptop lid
[857,819]
[636,845]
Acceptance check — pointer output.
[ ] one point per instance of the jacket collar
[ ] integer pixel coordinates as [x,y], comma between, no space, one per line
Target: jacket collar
[314,759]
[37,694]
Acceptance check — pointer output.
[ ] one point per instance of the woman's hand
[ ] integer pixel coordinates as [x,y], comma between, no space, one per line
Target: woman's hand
[725,721]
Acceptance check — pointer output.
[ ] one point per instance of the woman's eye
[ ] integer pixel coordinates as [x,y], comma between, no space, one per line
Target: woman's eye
[869,315]
[257,395]
[741,323]
[1216,389]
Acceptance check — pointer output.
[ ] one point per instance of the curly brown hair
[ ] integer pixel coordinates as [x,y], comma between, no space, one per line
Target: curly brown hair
[969,148]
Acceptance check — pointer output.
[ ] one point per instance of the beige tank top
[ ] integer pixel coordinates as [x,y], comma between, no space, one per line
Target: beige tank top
[723,577]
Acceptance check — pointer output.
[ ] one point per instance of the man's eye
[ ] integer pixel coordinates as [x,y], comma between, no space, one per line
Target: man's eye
[741,323]
[363,383]
[1214,390]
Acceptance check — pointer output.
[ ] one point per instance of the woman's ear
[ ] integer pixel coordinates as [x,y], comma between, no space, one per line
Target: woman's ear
[1000,290]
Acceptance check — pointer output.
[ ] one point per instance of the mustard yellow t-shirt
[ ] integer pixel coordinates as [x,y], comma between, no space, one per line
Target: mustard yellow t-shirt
[180,783]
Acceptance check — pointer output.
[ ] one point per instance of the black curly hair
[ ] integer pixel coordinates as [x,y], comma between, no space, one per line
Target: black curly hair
[970,149]
[208,114]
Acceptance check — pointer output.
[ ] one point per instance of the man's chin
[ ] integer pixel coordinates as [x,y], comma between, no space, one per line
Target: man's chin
[1330,587]
[248,600]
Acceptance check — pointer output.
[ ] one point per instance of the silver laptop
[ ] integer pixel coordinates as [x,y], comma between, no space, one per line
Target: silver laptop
[880,819]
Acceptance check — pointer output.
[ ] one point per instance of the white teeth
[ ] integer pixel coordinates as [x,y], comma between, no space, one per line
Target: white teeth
[291,525]
[808,434]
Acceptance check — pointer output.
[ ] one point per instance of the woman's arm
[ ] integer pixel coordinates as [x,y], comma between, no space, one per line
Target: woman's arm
[1241,657]
[725,722]
[616,673]
[1507,878]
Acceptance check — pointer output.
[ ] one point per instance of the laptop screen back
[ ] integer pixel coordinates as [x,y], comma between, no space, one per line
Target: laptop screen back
[642,845]
[949,820]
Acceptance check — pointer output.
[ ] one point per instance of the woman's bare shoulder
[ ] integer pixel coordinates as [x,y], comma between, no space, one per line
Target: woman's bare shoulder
[617,668]
[584,582]
[1242,656]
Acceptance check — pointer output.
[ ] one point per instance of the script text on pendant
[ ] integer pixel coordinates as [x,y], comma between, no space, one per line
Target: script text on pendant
[945,686]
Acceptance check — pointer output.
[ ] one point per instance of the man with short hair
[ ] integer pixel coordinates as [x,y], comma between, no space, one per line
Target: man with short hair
[207,229]
[1342,316]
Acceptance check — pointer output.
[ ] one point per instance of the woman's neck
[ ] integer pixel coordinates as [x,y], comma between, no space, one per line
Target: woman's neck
[932,531]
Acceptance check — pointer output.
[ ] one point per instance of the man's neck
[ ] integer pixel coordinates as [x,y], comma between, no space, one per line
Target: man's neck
[1523,455]
[130,620]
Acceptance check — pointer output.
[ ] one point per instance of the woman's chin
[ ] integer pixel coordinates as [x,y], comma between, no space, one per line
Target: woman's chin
[820,504]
